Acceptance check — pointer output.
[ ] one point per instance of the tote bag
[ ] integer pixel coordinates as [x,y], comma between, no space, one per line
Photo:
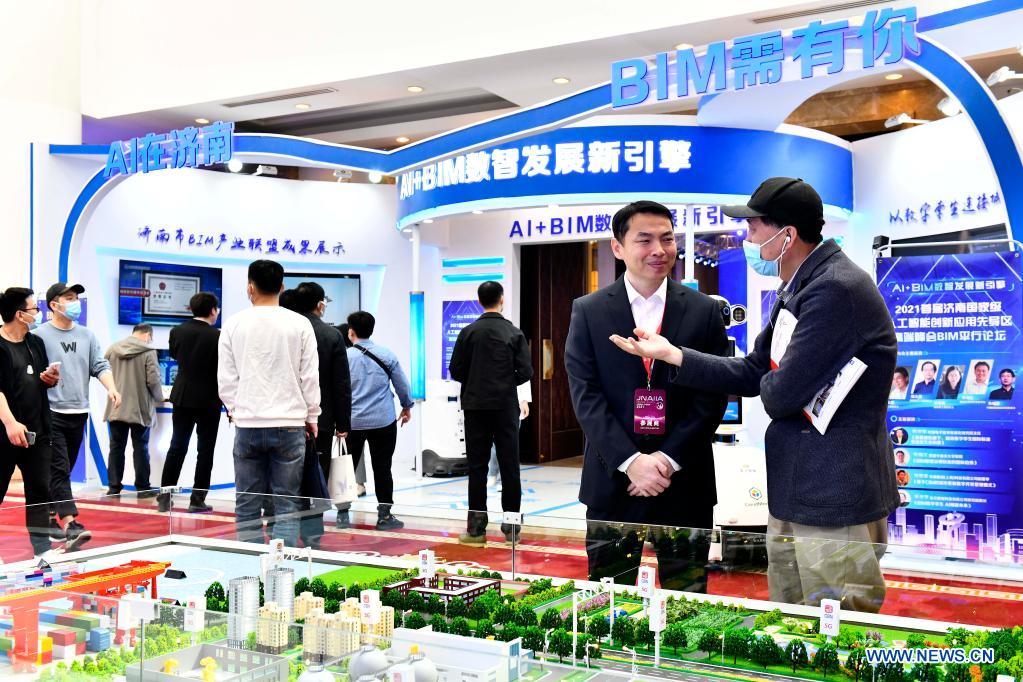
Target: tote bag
[342,474]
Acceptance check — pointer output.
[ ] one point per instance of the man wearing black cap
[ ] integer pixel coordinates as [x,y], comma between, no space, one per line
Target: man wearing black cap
[78,351]
[832,492]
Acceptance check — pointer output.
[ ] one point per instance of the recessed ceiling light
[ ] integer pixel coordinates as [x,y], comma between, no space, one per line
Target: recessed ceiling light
[684,46]
[561,80]
[375,177]
[893,77]
[202,121]
[428,221]
[302,105]
[477,212]
[401,140]
[415,88]
[234,165]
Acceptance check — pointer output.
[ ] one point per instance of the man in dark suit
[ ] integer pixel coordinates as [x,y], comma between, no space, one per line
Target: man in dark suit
[490,359]
[831,492]
[196,403]
[1007,377]
[335,420]
[927,385]
[644,465]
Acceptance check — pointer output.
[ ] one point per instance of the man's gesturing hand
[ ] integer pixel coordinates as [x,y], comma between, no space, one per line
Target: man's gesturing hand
[649,476]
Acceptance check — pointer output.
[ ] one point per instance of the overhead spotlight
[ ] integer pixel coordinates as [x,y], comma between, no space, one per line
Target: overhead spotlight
[265,170]
[375,177]
[416,89]
[949,106]
[303,106]
[1001,75]
[684,46]
[900,119]
[428,221]
[561,80]
[893,77]
[401,140]
[234,165]
[477,212]
[202,121]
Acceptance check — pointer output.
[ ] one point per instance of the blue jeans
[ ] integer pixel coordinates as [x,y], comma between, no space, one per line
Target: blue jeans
[268,461]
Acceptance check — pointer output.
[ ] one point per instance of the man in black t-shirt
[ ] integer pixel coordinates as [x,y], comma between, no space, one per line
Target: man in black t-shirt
[25,376]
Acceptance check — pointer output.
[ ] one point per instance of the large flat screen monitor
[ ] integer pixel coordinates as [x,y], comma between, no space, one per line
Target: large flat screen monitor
[344,292]
[158,293]
[733,411]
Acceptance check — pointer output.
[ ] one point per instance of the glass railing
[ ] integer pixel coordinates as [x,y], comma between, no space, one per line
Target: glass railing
[564,590]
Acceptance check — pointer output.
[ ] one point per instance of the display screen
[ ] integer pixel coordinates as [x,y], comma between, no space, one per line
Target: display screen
[344,292]
[733,410]
[168,366]
[158,293]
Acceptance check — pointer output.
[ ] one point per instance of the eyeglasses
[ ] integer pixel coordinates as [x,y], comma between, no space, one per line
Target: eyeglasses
[36,308]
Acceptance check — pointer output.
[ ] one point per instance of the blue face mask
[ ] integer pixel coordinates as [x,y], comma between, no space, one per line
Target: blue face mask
[73,310]
[767,268]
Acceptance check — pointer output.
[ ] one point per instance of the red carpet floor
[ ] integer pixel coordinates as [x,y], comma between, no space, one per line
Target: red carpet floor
[547,552]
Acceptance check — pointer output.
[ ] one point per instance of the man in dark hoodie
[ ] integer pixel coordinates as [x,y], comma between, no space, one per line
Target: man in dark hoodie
[137,377]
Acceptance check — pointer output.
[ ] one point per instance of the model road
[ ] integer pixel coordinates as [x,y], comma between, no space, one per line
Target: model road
[692,674]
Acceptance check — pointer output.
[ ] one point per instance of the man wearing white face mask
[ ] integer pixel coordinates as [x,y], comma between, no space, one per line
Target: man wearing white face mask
[81,357]
[832,492]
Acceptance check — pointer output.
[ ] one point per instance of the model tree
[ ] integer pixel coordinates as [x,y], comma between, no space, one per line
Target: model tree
[738,642]
[795,654]
[504,614]
[533,639]
[525,617]
[550,619]
[415,621]
[582,644]
[415,602]
[599,628]
[925,672]
[765,651]
[394,599]
[560,644]
[675,637]
[957,637]
[644,635]
[623,632]
[485,628]
[216,600]
[890,672]
[301,585]
[710,642]
[478,610]
[489,599]
[457,608]
[916,641]
[509,632]
[460,626]
[439,623]
[826,659]
[957,672]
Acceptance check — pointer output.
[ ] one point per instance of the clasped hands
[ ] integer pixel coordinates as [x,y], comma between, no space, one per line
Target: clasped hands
[649,475]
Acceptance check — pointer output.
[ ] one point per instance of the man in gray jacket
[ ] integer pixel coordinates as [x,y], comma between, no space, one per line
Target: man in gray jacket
[137,377]
[829,494]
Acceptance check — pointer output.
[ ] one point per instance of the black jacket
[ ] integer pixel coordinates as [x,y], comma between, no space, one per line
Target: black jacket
[193,343]
[490,358]
[603,381]
[846,476]
[40,361]
[335,379]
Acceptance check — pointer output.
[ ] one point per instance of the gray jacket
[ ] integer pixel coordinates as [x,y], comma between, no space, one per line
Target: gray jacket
[846,476]
[137,377]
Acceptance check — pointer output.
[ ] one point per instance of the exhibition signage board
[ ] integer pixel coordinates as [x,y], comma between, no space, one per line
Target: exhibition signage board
[581,164]
[953,417]
[885,36]
[831,619]
[189,147]
[455,316]
[588,224]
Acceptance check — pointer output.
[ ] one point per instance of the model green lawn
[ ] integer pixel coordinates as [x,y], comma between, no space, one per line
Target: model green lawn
[356,574]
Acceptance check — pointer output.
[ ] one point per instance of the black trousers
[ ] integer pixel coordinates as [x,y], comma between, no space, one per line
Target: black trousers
[119,432]
[35,465]
[615,548]
[68,433]
[206,423]
[381,452]
[497,429]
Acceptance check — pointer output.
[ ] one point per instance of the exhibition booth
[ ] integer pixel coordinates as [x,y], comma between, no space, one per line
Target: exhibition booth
[526,199]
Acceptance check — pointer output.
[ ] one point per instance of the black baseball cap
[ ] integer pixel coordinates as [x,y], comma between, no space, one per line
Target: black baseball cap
[60,288]
[789,201]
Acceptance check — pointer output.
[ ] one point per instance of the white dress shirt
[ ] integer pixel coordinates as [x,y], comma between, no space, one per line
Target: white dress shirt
[647,313]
